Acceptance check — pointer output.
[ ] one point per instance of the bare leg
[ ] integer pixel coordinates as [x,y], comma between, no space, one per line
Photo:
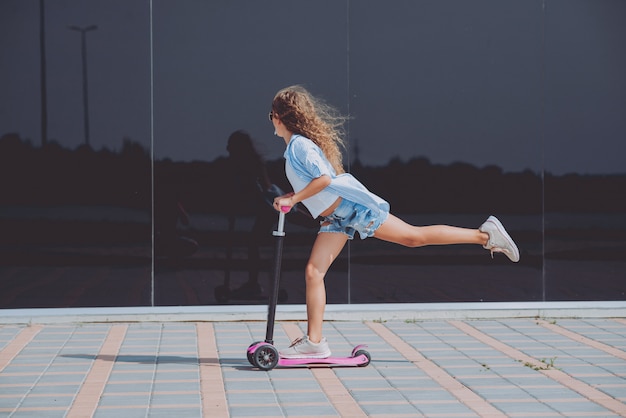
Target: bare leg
[396,230]
[325,250]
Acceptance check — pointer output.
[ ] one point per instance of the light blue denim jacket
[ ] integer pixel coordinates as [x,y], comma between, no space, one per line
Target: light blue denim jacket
[309,162]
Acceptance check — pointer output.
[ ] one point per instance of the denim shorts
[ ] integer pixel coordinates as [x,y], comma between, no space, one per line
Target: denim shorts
[350,217]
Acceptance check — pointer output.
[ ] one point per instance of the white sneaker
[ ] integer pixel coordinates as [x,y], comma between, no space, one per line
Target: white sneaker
[499,241]
[304,348]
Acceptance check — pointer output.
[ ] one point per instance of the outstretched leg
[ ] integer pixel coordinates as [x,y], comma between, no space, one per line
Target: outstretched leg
[491,235]
[397,231]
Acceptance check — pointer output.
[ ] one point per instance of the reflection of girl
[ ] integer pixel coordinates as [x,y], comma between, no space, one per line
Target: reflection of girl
[251,181]
[311,130]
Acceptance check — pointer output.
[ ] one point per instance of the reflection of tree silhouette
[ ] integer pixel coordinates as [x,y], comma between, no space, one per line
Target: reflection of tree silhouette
[54,175]
[418,186]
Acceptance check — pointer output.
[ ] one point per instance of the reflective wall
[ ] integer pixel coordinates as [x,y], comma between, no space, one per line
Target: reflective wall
[137,159]
[75,161]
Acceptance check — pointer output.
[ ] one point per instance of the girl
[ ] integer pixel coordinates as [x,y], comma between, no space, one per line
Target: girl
[311,130]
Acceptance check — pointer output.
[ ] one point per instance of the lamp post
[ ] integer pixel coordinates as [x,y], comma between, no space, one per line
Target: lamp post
[83,44]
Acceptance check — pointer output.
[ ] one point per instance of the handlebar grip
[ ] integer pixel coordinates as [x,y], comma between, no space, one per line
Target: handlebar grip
[280,232]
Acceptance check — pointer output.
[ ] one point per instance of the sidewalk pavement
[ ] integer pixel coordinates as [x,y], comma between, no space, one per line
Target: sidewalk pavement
[505,367]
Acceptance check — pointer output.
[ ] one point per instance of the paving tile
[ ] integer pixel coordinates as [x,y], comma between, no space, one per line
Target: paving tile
[253,411]
[424,383]
[309,384]
[188,412]
[10,401]
[70,389]
[444,409]
[390,410]
[32,359]
[582,406]
[169,386]
[121,412]
[495,394]
[8,380]
[387,395]
[306,410]
[304,397]
[360,384]
[136,399]
[49,401]
[431,395]
[175,398]
[68,368]
[49,413]
[556,392]
[244,385]
[251,397]
[121,376]
[400,372]
[529,407]
[616,391]
[122,387]
[25,369]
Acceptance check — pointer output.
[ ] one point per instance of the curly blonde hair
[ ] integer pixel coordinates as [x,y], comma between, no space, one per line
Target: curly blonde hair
[306,115]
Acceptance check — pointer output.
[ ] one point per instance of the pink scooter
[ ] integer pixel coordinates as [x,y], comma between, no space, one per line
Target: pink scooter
[263,354]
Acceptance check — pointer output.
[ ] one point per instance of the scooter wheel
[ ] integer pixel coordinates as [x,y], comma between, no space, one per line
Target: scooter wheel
[265,357]
[249,353]
[364,353]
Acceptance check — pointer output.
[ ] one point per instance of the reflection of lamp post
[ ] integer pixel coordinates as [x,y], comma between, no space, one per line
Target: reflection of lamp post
[42,73]
[83,43]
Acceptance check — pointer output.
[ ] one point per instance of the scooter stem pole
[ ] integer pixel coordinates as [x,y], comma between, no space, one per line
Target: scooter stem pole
[278,255]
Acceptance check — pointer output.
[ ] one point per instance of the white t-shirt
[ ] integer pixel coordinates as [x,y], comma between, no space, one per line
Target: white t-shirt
[305,161]
[317,203]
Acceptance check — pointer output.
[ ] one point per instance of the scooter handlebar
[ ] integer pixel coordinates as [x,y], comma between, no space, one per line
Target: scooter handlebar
[280,231]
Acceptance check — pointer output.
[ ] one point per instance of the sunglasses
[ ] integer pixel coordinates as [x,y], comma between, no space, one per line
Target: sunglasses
[271,116]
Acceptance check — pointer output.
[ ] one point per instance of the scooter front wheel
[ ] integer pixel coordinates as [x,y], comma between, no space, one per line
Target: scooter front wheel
[249,353]
[265,357]
[363,353]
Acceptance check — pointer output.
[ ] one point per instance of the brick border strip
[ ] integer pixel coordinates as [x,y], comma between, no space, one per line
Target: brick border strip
[212,390]
[88,396]
[563,378]
[21,340]
[332,386]
[473,401]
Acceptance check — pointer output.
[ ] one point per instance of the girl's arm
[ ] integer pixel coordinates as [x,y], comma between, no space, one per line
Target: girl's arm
[314,187]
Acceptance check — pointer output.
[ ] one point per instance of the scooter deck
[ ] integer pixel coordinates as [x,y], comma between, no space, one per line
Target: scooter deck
[328,361]
[359,357]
